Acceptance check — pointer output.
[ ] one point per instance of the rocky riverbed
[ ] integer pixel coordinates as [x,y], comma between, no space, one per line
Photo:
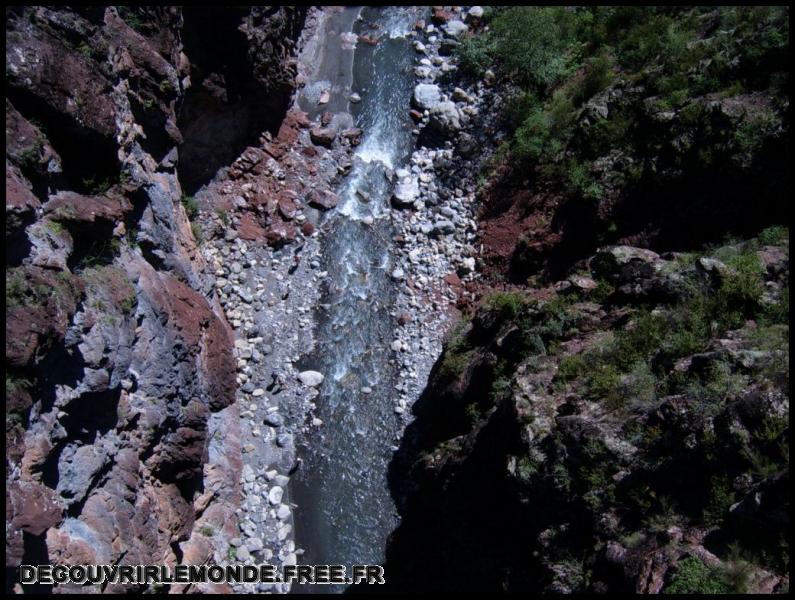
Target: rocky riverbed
[268,292]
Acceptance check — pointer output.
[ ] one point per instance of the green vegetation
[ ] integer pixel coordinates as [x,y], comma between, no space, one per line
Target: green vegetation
[127,304]
[31,155]
[558,58]
[773,236]
[110,288]
[196,229]
[694,577]
[54,226]
[132,237]
[15,384]
[85,49]
[454,362]
[96,186]
[506,304]
[191,206]
[631,367]
[166,87]
[130,16]
[192,209]
[16,284]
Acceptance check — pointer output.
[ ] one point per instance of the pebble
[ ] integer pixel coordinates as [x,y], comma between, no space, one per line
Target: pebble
[254,544]
[274,419]
[242,554]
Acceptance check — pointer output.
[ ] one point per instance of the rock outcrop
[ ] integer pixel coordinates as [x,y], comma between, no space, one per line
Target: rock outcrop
[566,423]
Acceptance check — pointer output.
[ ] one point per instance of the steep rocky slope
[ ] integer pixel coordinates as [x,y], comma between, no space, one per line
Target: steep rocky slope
[120,369]
[616,417]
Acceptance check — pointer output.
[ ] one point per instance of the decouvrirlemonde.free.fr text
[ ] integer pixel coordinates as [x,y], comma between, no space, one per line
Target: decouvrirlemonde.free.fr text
[165,574]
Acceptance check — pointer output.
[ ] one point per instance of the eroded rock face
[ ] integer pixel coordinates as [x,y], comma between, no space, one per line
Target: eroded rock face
[563,459]
[242,75]
[120,358]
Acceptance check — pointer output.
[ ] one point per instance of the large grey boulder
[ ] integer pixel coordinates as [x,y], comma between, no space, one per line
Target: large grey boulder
[445,117]
[426,95]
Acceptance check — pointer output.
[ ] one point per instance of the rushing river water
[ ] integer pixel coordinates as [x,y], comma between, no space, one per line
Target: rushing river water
[345,511]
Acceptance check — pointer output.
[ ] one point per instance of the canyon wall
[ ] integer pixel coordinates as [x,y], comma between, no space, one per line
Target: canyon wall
[120,427]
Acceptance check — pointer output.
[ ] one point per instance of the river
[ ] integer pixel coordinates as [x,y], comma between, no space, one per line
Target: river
[345,510]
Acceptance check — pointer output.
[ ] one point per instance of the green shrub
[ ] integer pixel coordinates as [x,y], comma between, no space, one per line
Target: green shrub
[197,232]
[533,45]
[609,134]
[475,54]
[546,130]
[128,304]
[571,367]
[639,340]
[639,387]
[598,75]
[191,206]
[130,16]
[506,304]
[603,383]
[85,49]
[15,384]
[454,363]
[773,236]
[753,132]
[692,576]
[526,468]
[472,413]
[31,156]
[721,497]
[96,186]
[207,530]
[738,296]
[581,183]
[602,292]
[54,226]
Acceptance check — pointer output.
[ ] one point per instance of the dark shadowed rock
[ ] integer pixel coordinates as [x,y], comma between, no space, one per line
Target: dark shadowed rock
[323,136]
